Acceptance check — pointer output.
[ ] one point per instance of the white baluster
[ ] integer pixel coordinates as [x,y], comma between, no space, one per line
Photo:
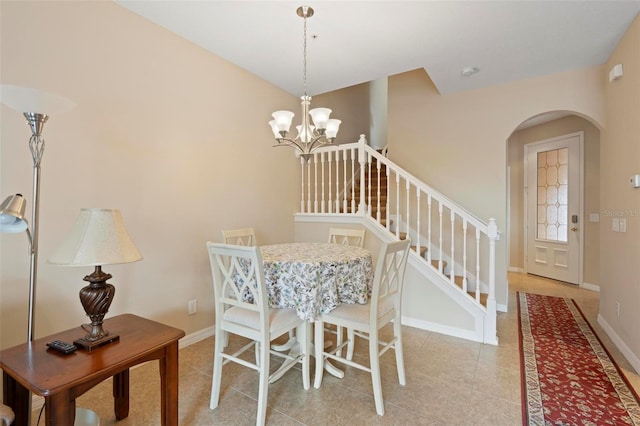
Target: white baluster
[398,205]
[344,184]
[388,209]
[429,227]
[322,202]
[302,185]
[330,201]
[308,187]
[477,264]
[418,222]
[408,195]
[440,268]
[337,210]
[464,255]
[369,205]
[353,174]
[315,176]
[452,269]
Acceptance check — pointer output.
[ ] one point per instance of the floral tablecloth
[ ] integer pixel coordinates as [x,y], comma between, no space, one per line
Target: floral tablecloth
[315,278]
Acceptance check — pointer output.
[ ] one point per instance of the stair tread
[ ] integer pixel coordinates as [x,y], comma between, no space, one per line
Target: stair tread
[458,279]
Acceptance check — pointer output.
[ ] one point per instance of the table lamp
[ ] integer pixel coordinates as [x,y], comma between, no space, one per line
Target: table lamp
[98,237]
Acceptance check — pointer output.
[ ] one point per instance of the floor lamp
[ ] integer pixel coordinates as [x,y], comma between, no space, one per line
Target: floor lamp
[31,103]
[27,101]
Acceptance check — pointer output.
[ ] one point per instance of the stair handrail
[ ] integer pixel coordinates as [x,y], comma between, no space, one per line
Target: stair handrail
[364,154]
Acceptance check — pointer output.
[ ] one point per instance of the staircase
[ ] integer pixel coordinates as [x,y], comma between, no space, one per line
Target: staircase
[455,250]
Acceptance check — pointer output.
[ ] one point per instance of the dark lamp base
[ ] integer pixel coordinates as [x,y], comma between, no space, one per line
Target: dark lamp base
[88,345]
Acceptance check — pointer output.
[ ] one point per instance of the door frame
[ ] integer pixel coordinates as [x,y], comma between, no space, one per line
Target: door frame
[580,136]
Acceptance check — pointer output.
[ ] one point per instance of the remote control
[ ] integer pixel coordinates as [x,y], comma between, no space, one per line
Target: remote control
[64,347]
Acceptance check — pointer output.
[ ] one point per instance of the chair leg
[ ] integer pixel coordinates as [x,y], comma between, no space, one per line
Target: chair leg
[319,349]
[351,338]
[304,336]
[263,389]
[397,346]
[217,368]
[374,357]
[339,339]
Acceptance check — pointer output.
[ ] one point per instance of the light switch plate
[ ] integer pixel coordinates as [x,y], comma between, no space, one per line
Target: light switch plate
[615,224]
[594,217]
[623,225]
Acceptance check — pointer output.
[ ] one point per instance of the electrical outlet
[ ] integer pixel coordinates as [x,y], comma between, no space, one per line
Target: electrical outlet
[192,307]
[623,225]
[618,309]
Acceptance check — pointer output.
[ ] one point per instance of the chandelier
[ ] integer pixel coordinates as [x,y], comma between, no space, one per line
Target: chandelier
[322,132]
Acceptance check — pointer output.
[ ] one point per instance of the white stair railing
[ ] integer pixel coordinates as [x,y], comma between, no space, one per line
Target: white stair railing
[355,179]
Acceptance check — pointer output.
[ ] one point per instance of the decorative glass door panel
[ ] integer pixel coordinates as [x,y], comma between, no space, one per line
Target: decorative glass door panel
[553,190]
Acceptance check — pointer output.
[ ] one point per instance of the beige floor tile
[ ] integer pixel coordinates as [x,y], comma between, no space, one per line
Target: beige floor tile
[450,381]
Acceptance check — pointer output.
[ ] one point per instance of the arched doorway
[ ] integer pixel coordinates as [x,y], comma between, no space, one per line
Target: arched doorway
[544,127]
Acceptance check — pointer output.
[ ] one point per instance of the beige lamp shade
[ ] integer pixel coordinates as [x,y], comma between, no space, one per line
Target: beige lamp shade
[98,237]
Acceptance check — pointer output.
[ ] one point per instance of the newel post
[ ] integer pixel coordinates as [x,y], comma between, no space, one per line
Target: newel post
[362,159]
[490,332]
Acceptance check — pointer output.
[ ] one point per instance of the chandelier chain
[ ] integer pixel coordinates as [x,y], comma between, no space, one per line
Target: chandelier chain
[304,56]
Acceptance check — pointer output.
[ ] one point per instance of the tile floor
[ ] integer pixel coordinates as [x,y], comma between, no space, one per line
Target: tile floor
[450,381]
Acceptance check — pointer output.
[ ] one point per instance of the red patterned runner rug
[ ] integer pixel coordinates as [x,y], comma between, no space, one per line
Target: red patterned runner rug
[568,376]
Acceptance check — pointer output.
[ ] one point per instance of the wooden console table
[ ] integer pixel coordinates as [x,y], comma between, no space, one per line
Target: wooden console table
[60,379]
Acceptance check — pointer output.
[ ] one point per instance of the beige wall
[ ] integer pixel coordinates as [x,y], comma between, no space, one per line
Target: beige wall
[351,105]
[458,143]
[169,134]
[517,141]
[620,158]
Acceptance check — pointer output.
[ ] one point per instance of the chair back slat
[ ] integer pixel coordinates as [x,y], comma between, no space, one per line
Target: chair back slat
[347,236]
[239,237]
[389,277]
[238,277]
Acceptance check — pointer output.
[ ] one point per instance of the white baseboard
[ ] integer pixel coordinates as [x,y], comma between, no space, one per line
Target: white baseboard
[442,329]
[591,287]
[622,347]
[516,269]
[199,335]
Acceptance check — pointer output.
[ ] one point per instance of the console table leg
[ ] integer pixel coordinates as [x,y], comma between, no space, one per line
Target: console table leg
[18,398]
[169,385]
[60,409]
[121,394]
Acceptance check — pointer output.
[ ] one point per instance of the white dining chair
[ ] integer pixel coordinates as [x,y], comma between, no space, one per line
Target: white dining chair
[241,308]
[240,237]
[347,236]
[247,237]
[366,320]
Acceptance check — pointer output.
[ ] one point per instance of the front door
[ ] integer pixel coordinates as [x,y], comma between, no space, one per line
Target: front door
[553,194]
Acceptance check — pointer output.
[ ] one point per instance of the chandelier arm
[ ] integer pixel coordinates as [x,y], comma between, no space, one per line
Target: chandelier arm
[290,143]
[318,140]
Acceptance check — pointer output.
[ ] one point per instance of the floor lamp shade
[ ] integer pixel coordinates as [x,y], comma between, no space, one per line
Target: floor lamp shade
[12,218]
[98,237]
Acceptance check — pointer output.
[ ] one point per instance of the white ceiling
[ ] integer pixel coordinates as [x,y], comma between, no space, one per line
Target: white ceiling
[360,41]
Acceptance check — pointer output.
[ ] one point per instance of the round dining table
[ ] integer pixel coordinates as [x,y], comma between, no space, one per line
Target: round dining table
[315,278]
